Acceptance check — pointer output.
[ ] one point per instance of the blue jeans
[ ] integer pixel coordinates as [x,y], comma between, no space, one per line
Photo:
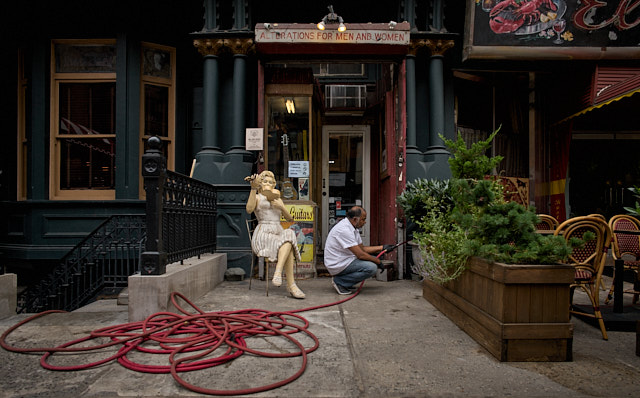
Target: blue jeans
[355,272]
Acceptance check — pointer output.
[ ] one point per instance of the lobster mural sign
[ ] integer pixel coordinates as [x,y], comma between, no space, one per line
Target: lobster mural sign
[512,15]
[572,29]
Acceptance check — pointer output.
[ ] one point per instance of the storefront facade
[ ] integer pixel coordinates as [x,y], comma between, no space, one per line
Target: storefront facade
[342,117]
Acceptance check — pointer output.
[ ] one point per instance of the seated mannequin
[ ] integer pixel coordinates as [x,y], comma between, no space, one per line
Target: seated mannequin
[269,239]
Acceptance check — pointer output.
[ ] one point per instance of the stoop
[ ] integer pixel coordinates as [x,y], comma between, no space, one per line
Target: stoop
[150,294]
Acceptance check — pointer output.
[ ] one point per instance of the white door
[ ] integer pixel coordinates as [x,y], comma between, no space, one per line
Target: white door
[345,174]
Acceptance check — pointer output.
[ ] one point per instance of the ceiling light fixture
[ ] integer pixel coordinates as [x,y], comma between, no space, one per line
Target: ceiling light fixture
[332,18]
[290,105]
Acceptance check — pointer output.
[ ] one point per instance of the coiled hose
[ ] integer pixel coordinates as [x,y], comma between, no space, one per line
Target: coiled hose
[189,338]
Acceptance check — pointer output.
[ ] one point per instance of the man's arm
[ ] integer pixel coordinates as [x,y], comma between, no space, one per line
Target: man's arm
[362,253]
[372,249]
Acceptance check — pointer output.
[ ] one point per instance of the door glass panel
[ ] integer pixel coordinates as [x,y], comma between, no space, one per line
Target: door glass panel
[345,174]
[288,145]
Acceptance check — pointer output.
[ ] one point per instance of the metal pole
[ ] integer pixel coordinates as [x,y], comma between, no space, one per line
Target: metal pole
[618,286]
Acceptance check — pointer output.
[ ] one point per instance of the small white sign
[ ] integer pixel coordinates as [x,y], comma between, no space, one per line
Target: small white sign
[298,168]
[254,139]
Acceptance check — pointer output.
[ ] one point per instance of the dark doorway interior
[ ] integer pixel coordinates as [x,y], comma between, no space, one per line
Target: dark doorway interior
[600,172]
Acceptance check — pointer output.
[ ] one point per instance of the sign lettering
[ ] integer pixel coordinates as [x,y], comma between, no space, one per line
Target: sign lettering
[300,35]
[588,11]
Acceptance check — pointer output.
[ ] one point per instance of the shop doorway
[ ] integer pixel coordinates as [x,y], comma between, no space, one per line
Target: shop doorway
[601,171]
[345,174]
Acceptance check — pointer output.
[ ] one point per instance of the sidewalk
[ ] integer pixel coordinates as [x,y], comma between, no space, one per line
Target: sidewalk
[385,342]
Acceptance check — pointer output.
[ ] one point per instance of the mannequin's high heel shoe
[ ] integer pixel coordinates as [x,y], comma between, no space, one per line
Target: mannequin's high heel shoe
[296,292]
[277,280]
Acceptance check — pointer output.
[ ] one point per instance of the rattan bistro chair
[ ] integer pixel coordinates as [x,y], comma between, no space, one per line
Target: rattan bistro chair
[547,222]
[598,215]
[626,246]
[588,261]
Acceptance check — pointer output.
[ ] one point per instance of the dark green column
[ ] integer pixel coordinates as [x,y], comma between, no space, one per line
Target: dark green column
[239,85]
[437,155]
[207,160]
[436,99]
[415,168]
[240,160]
[211,93]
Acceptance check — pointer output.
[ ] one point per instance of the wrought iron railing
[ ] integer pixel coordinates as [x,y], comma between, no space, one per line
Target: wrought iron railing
[102,260]
[188,217]
[180,222]
[181,213]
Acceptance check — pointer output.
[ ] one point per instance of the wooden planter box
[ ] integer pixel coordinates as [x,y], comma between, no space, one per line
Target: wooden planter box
[517,312]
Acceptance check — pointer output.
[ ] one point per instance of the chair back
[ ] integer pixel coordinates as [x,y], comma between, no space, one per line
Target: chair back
[588,261]
[598,215]
[592,255]
[625,244]
[547,222]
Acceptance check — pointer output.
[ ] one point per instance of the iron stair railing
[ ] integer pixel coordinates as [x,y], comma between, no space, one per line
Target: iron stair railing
[102,260]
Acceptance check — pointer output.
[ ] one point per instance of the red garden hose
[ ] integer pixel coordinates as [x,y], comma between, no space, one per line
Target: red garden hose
[188,339]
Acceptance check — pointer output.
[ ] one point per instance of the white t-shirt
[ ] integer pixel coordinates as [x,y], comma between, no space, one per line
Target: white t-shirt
[337,255]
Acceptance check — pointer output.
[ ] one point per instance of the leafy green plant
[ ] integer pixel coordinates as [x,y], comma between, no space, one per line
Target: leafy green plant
[472,218]
[634,211]
[422,195]
[471,162]
[441,245]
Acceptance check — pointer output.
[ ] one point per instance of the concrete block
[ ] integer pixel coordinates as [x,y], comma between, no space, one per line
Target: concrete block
[390,272]
[8,294]
[150,294]
[234,274]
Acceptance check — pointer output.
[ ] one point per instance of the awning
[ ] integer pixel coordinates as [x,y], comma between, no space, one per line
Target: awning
[610,84]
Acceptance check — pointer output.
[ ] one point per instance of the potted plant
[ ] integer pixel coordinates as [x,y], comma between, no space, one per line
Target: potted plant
[483,264]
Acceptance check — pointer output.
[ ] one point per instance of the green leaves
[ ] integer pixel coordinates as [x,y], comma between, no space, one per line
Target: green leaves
[469,216]
[421,195]
[471,162]
[634,211]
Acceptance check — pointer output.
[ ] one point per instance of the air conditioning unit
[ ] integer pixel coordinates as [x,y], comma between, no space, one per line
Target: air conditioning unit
[345,96]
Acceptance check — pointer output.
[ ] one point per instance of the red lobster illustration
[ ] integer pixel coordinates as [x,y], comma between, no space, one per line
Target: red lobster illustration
[509,15]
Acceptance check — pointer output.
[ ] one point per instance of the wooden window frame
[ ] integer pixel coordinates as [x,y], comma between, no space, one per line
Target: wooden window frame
[170,83]
[57,78]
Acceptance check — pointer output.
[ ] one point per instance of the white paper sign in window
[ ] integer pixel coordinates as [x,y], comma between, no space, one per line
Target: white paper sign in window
[298,168]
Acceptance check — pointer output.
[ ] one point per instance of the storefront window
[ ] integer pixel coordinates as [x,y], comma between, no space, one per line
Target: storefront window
[288,141]
[83,120]
[86,110]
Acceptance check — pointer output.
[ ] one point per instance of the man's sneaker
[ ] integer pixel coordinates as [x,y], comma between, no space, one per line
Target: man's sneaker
[340,289]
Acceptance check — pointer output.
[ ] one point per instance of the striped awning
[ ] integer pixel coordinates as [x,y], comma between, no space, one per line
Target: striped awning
[610,84]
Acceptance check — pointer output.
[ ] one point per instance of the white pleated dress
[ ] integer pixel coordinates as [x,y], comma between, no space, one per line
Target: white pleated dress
[269,234]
